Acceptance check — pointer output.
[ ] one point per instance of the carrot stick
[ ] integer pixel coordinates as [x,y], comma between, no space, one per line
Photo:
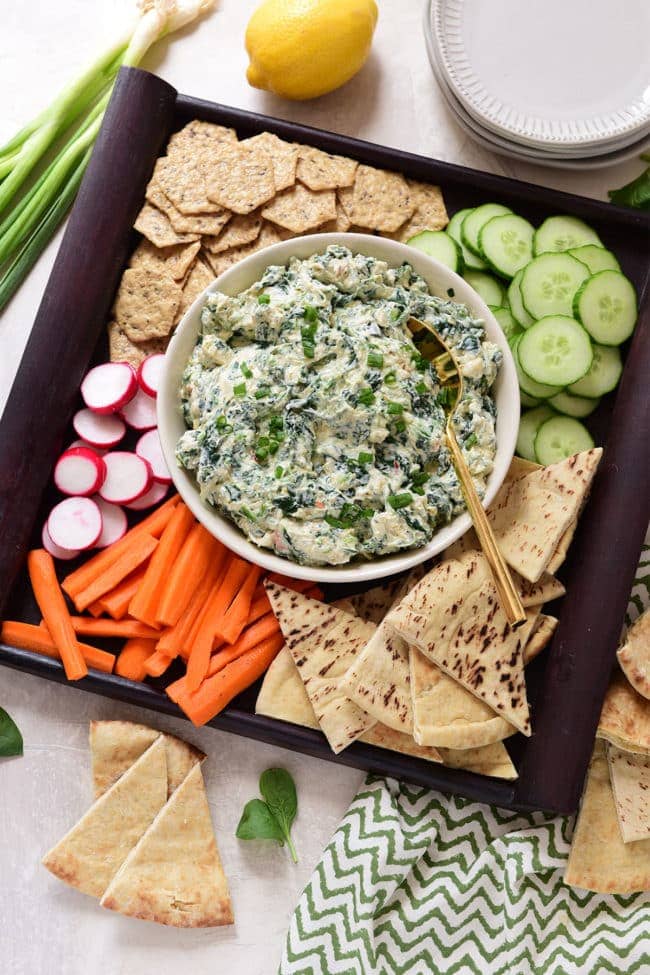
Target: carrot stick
[96,608]
[157,663]
[174,639]
[215,693]
[51,603]
[116,602]
[230,626]
[125,629]
[28,637]
[198,551]
[133,655]
[86,574]
[142,547]
[144,604]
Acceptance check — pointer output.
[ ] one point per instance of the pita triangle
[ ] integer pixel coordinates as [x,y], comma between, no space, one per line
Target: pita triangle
[174,875]
[630,778]
[379,680]
[454,618]
[90,855]
[324,641]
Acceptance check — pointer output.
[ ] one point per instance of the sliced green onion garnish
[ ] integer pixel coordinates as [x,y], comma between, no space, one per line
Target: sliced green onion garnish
[246,371]
[400,426]
[375,360]
[310,314]
[420,477]
[421,388]
[395,408]
[262,453]
[262,392]
[264,300]
[366,396]
[471,441]
[247,513]
[240,389]
[365,458]
[398,501]
[279,471]
[221,422]
[390,378]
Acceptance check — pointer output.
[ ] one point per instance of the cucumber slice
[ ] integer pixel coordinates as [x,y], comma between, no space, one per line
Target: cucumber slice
[606,306]
[604,373]
[577,406]
[509,326]
[438,244]
[596,258]
[563,234]
[526,384]
[472,262]
[555,350]
[506,243]
[528,427]
[528,401]
[516,304]
[561,437]
[476,220]
[490,290]
[549,283]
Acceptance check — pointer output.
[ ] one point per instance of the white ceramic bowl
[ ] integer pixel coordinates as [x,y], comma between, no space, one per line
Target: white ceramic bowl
[171,425]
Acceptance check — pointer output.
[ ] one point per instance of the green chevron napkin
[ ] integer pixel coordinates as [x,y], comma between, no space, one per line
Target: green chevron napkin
[417,883]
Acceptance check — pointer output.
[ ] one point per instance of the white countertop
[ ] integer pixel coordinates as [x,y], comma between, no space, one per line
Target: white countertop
[46,928]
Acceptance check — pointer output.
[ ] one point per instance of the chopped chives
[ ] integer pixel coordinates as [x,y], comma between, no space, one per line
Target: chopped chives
[421,388]
[365,458]
[398,501]
[310,314]
[366,396]
[247,513]
[279,471]
[274,446]
[221,422]
[395,408]
[262,392]
[420,477]
[375,360]
[262,453]
[471,441]
[400,426]
[390,378]
[240,389]
[246,371]
[264,300]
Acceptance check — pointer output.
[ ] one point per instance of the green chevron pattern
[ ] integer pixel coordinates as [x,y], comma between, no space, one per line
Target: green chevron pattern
[417,883]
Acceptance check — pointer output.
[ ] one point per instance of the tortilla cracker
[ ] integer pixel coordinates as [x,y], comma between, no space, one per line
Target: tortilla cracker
[146,303]
[122,349]
[175,260]
[599,860]
[430,212]
[116,745]
[197,281]
[634,656]
[241,178]
[379,200]
[630,779]
[156,227]
[90,855]
[320,170]
[299,209]
[625,717]
[174,875]
[284,157]
[454,617]
[492,760]
[323,642]
[530,515]
[197,136]
[240,230]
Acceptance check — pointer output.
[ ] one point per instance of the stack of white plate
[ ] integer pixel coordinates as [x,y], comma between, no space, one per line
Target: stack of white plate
[563,82]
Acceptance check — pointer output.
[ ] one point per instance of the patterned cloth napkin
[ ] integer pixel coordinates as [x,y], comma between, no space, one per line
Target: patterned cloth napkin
[420,883]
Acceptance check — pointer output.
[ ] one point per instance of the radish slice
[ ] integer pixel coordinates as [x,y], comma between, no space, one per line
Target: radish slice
[79,471]
[114,523]
[154,495]
[75,523]
[65,554]
[82,443]
[148,447]
[127,477]
[140,412]
[98,430]
[149,373]
[109,387]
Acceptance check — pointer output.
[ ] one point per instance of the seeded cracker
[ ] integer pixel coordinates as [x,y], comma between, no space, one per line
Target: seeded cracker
[221,262]
[197,281]
[379,200]
[146,303]
[321,171]
[240,179]
[430,212]
[240,230]
[300,209]
[283,155]
[197,136]
[340,225]
[155,226]
[181,179]
[176,260]
[122,349]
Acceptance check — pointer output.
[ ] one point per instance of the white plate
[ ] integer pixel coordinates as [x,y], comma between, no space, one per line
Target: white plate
[548,72]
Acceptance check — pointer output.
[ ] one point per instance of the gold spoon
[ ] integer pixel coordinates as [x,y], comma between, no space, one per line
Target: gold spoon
[432,347]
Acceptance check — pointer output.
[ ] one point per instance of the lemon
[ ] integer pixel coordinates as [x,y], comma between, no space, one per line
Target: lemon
[304,48]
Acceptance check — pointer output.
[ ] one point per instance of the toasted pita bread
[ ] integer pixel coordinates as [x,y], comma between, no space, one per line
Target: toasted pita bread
[634,656]
[174,874]
[373,604]
[323,642]
[630,778]
[89,856]
[544,590]
[453,616]
[625,717]
[531,514]
[540,637]
[599,859]
[115,746]
[519,468]
[492,760]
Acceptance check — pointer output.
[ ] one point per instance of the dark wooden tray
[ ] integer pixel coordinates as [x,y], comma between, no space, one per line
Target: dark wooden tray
[568,682]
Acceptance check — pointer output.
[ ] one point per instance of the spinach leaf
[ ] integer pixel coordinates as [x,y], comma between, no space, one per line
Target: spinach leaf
[11,740]
[271,819]
[258,823]
[635,194]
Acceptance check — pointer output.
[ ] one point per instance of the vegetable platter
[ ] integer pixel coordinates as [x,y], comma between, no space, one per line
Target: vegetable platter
[567,684]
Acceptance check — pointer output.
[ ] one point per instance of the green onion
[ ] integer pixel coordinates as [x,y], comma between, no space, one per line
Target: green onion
[365,458]
[310,314]
[420,477]
[279,471]
[246,371]
[398,501]
[239,389]
[390,378]
[366,396]
[400,426]
[471,441]
[262,392]
[274,446]
[262,453]
[395,408]
[421,388]
[247,513]
[395,313]
[375,360]
[221,422]
[264,300]
[276,423]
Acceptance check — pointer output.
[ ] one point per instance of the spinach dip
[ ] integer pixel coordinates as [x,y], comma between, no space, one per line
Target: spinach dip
[314,422]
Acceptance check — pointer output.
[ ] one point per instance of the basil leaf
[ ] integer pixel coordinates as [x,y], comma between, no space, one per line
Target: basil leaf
[258,823]
[11,740]
[279,791]
[635,194]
